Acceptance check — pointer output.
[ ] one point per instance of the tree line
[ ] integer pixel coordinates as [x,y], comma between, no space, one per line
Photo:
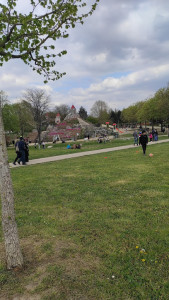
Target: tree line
[154,110]
[32,112]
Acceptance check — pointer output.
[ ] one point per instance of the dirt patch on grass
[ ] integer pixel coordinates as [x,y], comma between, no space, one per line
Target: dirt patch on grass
[69,175]
[26,297]
[54,269]
[119,182]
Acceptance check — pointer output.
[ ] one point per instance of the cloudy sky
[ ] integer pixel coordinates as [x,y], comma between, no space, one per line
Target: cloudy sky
[120,56]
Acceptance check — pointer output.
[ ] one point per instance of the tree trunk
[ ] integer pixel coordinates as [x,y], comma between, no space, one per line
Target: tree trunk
[22,131]
[14,256]
[161,126]
[39,135]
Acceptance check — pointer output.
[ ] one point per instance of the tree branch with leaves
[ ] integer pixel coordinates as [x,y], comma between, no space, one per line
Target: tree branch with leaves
[39,102]
[24,35]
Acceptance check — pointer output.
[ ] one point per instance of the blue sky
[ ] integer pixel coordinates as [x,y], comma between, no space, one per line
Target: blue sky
[120,56]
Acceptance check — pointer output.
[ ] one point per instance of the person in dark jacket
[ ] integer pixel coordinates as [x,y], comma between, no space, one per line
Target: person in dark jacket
[21,146]
[143,141]
[18,154]
[26,151]
[155,135]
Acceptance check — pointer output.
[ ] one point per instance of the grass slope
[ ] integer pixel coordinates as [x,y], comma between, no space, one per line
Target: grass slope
[92,228]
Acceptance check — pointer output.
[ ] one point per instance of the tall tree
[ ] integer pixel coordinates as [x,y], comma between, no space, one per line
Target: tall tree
[100,110]
[83,113]
[115,116]
[25,117]
[24,36]
[162,103]
[148,111]
[98,107]
[39,102]
[129,114]
[10,118]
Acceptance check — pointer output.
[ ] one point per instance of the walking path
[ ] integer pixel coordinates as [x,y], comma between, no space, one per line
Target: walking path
[80,154]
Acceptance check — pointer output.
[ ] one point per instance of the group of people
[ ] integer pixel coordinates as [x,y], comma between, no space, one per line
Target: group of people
[39,144]
[142,138]
[75,146]
[103,139]
[22,151]
[153,135]
[22,146]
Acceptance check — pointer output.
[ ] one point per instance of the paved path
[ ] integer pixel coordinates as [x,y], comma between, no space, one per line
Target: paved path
[80,154]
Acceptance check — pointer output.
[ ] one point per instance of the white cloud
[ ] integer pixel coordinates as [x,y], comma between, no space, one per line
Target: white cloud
[13,79]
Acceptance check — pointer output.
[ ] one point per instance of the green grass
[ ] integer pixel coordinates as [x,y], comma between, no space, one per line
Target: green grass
[83,224]
[60,149]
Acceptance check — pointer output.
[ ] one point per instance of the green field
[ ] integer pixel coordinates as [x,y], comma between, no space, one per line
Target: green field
[92,228]
[60,149]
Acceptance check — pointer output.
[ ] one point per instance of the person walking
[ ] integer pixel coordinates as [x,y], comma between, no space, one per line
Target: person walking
[155,135]
[21,146]
[153,132]
[18,153]
[143,141]
[151,136]
[43,144]
[26,151]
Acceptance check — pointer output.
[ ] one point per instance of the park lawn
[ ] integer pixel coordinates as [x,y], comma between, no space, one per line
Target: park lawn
[94,227]
[60,149]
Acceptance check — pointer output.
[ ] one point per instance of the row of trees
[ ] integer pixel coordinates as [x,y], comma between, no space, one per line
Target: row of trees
[30,113]
[153,110]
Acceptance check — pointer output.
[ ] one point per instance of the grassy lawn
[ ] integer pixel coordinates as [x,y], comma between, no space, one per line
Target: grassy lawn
[60,149]
[92,228]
